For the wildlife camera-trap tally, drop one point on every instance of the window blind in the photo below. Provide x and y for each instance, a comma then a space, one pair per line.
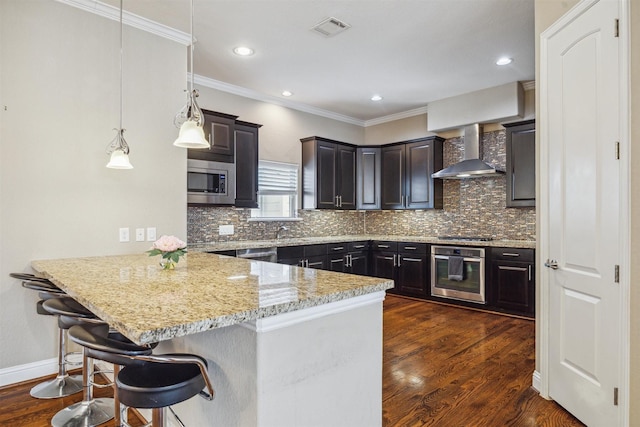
275, 178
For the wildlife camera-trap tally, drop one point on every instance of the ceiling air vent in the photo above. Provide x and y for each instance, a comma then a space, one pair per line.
330, 27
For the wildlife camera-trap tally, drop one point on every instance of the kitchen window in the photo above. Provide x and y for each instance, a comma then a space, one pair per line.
277, 191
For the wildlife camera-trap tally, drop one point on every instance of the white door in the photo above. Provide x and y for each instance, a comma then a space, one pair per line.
581, 128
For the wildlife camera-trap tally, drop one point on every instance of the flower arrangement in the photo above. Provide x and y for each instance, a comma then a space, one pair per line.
171, 248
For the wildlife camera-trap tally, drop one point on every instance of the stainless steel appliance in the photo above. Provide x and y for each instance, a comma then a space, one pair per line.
259, 254
211, 183
471, 287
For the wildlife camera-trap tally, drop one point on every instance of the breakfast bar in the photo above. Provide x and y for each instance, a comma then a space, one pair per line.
287, 346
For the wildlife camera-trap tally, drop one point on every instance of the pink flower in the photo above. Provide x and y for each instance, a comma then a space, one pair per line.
169, 244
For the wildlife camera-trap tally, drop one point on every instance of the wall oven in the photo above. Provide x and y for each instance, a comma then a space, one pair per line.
210, 183
458, 273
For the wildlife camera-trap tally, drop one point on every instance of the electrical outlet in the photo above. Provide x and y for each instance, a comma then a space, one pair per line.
225, 230
151, 234
139, 234
124, 234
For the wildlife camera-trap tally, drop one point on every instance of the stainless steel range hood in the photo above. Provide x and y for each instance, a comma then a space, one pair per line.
471, 166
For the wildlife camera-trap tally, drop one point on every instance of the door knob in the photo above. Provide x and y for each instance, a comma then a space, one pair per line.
552, 264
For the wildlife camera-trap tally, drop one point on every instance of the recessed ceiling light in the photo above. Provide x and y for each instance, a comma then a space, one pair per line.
376, 98
504, 61
243, 51
287, 93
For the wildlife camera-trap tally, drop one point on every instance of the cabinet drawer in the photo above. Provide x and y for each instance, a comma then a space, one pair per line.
337, 248
384, 246
513, 254
358, 246
417, 248
315, 250
290, 252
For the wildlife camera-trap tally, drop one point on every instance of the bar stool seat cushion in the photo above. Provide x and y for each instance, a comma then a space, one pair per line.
156, 385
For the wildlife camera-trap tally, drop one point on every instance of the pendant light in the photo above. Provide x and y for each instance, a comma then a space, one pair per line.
118, 148
190, 119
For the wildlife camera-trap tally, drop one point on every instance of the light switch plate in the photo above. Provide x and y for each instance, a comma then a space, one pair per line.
225, 230
124, 234
139, 234
151, 234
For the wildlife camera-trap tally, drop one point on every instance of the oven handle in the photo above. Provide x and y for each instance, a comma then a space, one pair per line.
465, 258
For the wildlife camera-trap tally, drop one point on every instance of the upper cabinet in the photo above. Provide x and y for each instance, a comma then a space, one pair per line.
246, 151
328, 174
521, 163
406, 174
219, 130
368, 177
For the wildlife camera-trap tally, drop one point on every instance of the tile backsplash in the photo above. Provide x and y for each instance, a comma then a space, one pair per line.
472, 207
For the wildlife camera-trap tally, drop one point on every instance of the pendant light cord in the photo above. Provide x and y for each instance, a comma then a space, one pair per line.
121, 102
191, 54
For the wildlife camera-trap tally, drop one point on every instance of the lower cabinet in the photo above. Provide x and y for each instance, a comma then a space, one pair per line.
511, 285
311, 256
351, 257
406, 263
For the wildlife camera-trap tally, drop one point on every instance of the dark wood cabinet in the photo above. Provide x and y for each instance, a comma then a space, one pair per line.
406, 174
511, 286
351, 257
406, 263
328, 174
246, 137
521, 163
368, 177
219, 131
310, 256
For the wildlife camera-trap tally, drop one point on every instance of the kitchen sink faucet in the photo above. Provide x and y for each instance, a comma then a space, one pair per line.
280, 230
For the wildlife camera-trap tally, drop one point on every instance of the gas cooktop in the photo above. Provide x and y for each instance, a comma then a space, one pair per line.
466, 238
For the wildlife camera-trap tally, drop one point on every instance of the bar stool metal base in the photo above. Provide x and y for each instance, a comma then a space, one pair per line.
85, 414
60, 386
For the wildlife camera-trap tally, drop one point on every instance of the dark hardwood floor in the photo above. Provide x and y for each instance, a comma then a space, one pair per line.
452, 367
443, 366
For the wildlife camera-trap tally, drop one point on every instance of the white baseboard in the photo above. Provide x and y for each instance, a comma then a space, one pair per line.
536, 381
28, 371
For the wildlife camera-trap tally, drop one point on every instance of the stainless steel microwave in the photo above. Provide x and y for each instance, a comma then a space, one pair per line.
211, 183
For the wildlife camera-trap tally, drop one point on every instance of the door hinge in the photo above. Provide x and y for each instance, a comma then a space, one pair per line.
615, 396
616, 277
617, 29
617, 150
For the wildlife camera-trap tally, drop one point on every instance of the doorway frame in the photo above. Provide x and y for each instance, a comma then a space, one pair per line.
541, 377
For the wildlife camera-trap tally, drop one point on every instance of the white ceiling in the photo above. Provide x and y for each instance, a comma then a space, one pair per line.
411, 52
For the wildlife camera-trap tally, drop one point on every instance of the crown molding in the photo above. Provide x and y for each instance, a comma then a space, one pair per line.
248, 93
529, 85
396, 116
130, 19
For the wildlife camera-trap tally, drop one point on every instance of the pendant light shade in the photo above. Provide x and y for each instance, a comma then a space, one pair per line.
191, 136
190, 119
118, 149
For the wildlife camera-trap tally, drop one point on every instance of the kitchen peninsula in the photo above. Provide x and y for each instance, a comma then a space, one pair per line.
286, 345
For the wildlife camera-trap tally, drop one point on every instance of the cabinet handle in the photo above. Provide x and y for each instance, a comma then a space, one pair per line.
394, 260
410, 248
336, 260
313, 263
339, 248
358, 247
399, 260
510, 254
349, 260
384, 247
340, 201
337, 204
402, 200
529, 267
504, 267
412, 259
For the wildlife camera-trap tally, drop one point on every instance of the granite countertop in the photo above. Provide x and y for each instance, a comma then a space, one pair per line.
245, 244
205, 291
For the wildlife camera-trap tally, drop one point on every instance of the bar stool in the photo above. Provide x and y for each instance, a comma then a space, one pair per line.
89, 412
63, 384
148, 381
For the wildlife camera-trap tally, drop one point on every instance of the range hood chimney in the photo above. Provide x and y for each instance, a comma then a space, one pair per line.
471, 166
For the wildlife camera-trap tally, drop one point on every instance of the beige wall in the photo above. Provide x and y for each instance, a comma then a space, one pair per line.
397, 130
60, 86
